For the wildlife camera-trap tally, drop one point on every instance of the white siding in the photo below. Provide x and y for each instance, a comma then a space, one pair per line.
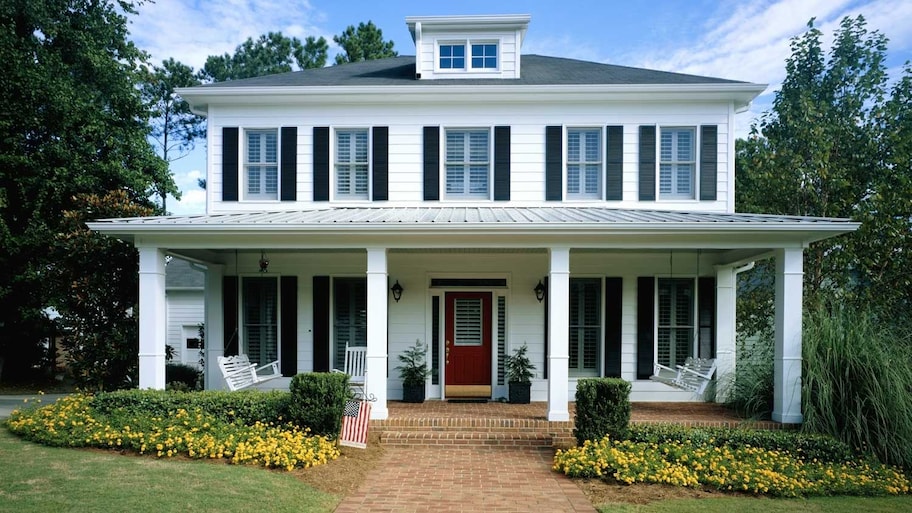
427, 58
185, 308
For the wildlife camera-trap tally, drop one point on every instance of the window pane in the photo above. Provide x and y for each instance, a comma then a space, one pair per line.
467, 326
261, 173
585, 325
452, 56
484, 56
352, 164
261, 315
584, 162
349, 316
675, 318
467, 163
678, 162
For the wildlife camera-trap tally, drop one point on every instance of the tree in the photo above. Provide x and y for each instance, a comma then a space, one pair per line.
174, 128
833, 146
72, 122
363, 44
271, 53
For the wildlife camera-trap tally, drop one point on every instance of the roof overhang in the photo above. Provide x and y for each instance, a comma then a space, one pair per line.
519, 22
739, 93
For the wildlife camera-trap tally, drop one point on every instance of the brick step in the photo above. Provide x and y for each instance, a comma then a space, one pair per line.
467, 438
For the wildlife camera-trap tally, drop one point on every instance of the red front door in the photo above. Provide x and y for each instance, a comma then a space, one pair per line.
467, 345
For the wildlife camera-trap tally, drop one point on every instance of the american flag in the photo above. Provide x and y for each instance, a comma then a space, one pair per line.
355, 419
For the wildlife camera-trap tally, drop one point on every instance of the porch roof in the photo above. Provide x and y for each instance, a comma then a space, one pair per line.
543, 224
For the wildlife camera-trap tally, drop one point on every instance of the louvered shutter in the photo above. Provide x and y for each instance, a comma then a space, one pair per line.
647, 166
230, 165
321, 323
321, 163
554, 163
709, 155
289, 326
431, 163
645, 327
289, 163
502, 163
613, 314
380, 163
614, 163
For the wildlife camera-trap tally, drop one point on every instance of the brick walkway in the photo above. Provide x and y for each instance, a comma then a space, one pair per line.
466, 479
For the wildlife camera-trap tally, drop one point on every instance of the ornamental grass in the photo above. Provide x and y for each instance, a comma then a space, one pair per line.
72, 422
745, 469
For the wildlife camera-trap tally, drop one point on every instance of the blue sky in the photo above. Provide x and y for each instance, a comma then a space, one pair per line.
745, 40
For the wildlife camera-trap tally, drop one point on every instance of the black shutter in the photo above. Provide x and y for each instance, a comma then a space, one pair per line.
289, 329
230, 315
614, 163
230, 163
501, 163
709, 153
613, 312
431, 163
321, 163
547, 332
289, 163
706, 317
321, 323
645, 327
380, 163
647, 163
554, 163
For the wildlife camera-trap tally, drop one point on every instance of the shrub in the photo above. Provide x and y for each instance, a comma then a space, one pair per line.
246, 406
317, 401
188, 376
602, 408
857, 381
750, 389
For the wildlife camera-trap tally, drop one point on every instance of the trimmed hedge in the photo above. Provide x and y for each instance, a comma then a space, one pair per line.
602, 408
807, 446
318, 400
245, 406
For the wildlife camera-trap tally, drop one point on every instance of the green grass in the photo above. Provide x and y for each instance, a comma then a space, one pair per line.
38, 478
765, 505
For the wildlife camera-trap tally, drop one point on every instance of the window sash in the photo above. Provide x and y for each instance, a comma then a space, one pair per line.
352, 164
584, 163
349, 316
467, 163
585, 326
484, 56
677, 163
452, 56
676, 320
261, 170
261, 319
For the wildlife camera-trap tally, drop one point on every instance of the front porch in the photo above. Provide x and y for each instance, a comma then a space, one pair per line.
526, 425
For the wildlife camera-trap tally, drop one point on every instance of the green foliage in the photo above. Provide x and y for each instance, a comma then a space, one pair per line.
364, 43
245, 407
518, 367
270, 54
857, 382
744, 469
807, 446
602, 408
73, 123
317, 401
414, 370
187, 376
750, 389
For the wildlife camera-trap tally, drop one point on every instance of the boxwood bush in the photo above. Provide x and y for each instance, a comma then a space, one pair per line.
245, 406
602, 408
317, 401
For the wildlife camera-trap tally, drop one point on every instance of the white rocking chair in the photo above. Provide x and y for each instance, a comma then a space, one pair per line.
694, 375
355, 367
240, 373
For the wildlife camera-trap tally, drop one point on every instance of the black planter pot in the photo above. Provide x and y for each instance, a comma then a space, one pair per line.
520, 393
413, 393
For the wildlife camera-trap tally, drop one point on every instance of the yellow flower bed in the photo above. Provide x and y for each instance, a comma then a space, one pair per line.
747, 469
71, 422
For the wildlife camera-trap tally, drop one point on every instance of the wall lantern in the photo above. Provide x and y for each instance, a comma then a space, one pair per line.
540, 291
264, 261
397, 291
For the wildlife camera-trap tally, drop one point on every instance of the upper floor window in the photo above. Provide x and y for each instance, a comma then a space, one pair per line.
261, 170
677, 163
484, 56
584, 162
352, 164
676, 320
452, 56
467, 163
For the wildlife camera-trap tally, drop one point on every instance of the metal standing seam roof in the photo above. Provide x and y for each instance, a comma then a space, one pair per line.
478, 217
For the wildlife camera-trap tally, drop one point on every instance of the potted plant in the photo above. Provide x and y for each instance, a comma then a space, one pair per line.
519, 369
413, 372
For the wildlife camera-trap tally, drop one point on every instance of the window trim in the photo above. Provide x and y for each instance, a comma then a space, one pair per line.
694, 326
576, 196
695, 174
242, 325
245, 165
447, 196
333, 147
467, 44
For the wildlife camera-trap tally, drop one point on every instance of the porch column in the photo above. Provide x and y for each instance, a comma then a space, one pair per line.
377, 341
153, 318
558, 334
726, 297
215, 314
787, 372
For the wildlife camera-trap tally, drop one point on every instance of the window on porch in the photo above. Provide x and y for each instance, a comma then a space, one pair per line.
261, 319
676, 320
349, 316
585, 326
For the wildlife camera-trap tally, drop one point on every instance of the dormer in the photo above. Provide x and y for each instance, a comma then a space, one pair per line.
467, 47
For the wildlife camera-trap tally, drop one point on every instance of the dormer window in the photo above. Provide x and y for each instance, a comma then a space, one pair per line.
452, 56
482, 56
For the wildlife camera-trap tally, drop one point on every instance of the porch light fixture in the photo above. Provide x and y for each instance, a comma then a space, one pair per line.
264, 261
397, 291
539, 291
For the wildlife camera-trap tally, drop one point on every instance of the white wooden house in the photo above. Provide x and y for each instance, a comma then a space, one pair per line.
468, 174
